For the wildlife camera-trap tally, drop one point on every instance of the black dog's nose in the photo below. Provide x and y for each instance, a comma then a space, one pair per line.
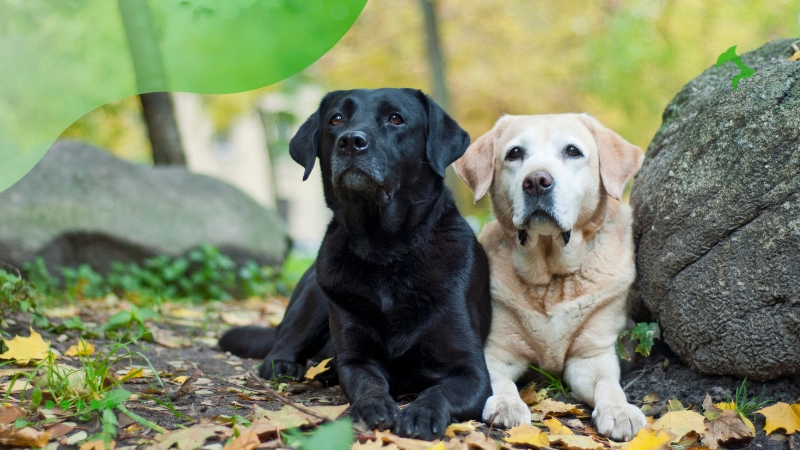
537, 183
352, 143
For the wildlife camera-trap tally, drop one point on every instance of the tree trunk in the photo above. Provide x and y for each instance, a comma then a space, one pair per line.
435, 58
162, 129
151, 80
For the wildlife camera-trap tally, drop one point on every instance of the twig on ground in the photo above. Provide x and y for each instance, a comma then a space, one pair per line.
285, 400
635, 380
187, 387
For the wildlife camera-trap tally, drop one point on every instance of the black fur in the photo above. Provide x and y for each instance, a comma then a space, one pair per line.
400, 285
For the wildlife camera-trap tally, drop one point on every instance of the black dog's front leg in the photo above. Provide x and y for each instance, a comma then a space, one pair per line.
458, 398
366, 385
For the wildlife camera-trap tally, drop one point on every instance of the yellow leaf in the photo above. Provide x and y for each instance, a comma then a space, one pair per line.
527, 435
577, 442
181, 379
795, 56
97, 445
403, 443
556, 427
134, 373
439, 446
463, 427
649, 439
652, 397
24, 349
318, 369
553, 407
186, 313
248, 440
238, 319
681, 423
62, 313
82, 348
725, 405
531, 396
781, 415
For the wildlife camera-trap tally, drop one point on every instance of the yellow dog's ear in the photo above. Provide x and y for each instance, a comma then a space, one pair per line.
476, 167
619, 159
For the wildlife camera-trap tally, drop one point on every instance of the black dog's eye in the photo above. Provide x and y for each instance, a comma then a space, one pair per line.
395, 119
514, 154
337, 119
572, 151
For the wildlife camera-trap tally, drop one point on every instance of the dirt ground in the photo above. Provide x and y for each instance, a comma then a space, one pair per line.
224, 389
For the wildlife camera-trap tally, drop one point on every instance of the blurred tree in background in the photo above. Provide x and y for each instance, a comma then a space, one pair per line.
619, 60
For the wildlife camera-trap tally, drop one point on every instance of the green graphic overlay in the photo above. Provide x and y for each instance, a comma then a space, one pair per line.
61, 59
744, 71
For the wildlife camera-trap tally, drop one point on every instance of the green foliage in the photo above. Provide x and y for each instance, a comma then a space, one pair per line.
131, 323
17, 294
554, 383
336, 435
203, 274
644, 333
745, 406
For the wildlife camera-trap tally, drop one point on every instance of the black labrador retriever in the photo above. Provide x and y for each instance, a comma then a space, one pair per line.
400, 285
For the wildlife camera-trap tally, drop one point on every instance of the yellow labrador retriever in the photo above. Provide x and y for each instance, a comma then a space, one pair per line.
561, 259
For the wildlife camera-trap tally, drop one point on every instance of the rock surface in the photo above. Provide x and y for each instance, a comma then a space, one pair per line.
717, 220
83, 205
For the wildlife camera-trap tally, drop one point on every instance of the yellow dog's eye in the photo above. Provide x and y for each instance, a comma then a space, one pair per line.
337, 119
513, 154
395, 119
573, 151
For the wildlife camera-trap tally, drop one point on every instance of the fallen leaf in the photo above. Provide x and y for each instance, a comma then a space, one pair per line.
781, 415
10, 413
181, 379
649, 439
463, 427
527, 435
556, 427
82, 348
675, 405
576, 442
97, 445
652, 397
437, 446
168, 338
63, 312
709, 409
237, 318
186, 439
555, 408
403, 443
24, 349
268, 423
727, 427
22, 437
795, 56
477, 441
681, 423
186, 313
246, 441
77, 437
318, 369
531, 396
187, 386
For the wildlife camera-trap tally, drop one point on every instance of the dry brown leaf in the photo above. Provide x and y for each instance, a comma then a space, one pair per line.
97, 445
10, 413
681, 423
728, 426
555, 408
168, 338
59, 429
186, 439
479, 441
575, 442
781, 415
463, 427
403, 443
268, 423
709, 409
238, 319
652, 397
24, 349
556, 427
527, 435
318, 369
531, 395
23, 437
246, 441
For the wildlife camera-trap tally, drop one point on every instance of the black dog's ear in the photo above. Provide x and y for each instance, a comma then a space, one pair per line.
304, 146
446, 140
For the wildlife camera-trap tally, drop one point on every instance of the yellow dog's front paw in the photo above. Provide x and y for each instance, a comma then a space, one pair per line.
506, 411
619, 422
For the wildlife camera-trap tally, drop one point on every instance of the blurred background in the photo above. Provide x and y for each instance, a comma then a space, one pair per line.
621, 61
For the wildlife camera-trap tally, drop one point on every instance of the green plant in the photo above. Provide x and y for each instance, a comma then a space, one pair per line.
645, 333
37, 275
744, 406
17, 294
84, 282
336, 435
554, 383
130, 323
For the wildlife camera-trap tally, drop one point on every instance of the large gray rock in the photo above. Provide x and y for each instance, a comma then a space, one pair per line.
83, 205
717, 220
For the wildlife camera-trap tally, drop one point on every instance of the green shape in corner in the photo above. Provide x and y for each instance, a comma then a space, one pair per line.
59, 60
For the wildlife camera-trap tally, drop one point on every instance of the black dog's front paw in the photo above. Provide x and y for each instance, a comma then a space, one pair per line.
277, 368
422, 421
375, 412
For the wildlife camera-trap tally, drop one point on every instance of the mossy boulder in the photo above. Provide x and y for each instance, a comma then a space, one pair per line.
717, 219
83, 205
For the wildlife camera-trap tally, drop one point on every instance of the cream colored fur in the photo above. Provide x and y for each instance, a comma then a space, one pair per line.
559, 307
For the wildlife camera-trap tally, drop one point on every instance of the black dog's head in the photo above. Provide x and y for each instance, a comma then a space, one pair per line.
373, 144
